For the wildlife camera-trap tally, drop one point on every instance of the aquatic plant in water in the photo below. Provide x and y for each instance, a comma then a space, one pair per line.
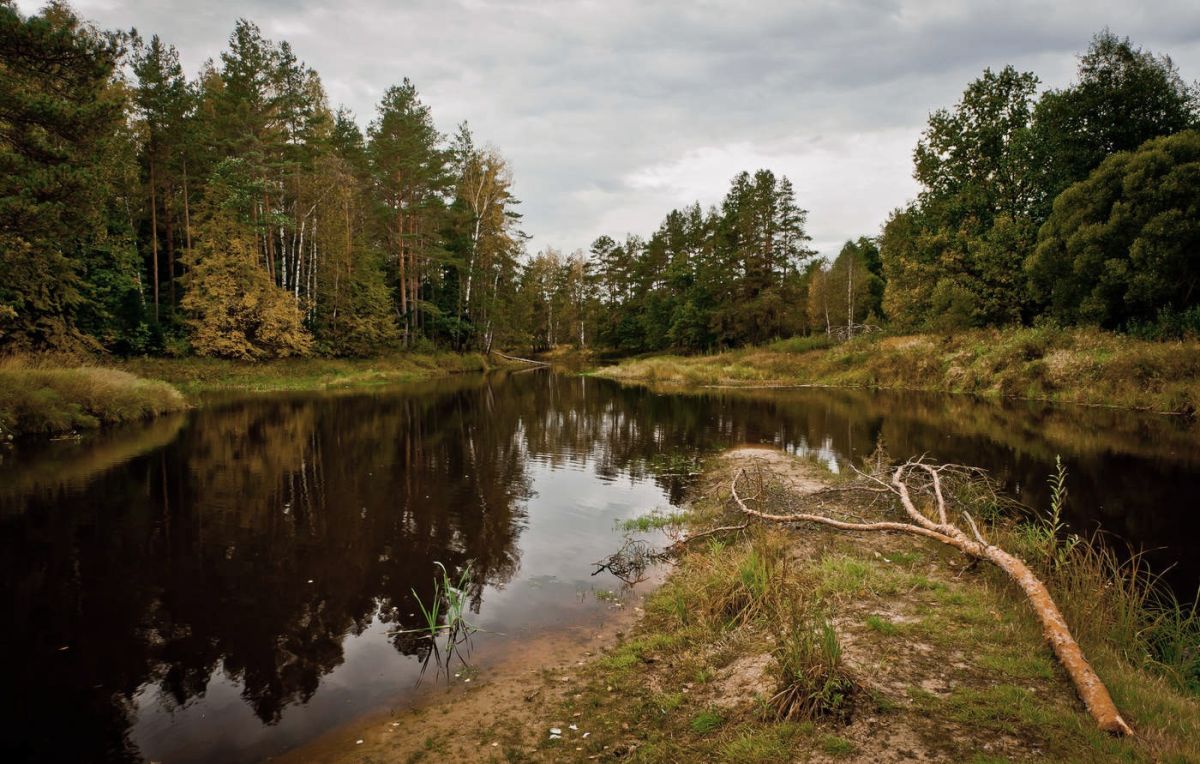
446, 618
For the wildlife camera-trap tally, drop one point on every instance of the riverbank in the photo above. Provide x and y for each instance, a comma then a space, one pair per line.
812, 644
50, 401
1084, 366
202, 375
52, 396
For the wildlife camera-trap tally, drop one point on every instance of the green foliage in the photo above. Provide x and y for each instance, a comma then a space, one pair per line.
233, 308
1121, 245
1124, 96
446, 613
953, 260
60, 113
703, 280
348, 244
1048, 535
1112, 251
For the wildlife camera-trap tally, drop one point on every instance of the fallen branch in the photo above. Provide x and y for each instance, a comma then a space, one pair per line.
1089, 686
710, 532
519, 360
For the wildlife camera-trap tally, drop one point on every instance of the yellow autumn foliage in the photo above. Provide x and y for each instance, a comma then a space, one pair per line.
233, 308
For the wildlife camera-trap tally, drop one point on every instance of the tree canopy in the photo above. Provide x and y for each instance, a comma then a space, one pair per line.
237, 213
1123, 245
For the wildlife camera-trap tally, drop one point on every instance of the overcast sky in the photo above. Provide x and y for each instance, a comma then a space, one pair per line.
613, 112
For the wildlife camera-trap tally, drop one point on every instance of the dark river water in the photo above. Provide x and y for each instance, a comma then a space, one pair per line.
229, 583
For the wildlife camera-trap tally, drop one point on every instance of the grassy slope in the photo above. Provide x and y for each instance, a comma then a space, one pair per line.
1061, 365
52, 396
51, 401
198, 375
948, 660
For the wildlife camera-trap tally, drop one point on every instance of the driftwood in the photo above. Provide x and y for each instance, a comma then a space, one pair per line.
1089, 686
519, 360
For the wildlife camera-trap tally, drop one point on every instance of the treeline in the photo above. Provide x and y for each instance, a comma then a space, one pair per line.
1078, 206
235, 214
728, 275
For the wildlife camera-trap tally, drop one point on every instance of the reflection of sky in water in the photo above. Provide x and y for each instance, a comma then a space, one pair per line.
825, 454
160, 550
572, 518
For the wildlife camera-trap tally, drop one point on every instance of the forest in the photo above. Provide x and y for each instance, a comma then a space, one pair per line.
238, 215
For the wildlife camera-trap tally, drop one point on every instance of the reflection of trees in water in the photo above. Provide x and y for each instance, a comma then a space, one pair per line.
271, 529
198, 557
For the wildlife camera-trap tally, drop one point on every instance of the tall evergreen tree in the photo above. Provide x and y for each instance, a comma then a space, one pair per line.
409, 167
60, 113
162, 103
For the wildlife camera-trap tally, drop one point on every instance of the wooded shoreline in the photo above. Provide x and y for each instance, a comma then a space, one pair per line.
48, 394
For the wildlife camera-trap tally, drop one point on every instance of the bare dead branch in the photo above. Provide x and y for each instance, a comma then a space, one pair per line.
1091, 689
709, 532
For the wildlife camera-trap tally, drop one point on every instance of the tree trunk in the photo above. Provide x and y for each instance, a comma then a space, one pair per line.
171, 250
187, 214
154, 236
849, 296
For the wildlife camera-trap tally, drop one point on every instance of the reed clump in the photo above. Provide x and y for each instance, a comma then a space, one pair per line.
813, 681
1116, 602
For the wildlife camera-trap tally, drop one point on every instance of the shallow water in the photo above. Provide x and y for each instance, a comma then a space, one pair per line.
228, 583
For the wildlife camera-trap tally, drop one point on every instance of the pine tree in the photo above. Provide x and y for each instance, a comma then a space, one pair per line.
410, 169
59, 117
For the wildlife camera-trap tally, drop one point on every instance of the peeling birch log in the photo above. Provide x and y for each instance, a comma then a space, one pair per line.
519, 360
1091, 689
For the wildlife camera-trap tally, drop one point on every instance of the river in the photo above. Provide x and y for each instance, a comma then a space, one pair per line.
229, 583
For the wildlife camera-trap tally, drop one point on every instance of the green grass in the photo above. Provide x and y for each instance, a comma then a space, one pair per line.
812, 681
1065, 365
706, 721
37, 400
653, 521
201, 375
837, 746
770, 743
882, 625
52, 395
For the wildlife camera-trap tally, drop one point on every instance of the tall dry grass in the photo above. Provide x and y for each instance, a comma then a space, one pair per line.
39, 397
1077, 365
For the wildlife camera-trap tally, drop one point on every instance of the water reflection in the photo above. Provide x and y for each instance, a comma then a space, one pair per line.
229, 583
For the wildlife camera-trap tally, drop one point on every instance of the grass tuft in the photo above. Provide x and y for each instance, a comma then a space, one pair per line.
813, 681
706, 721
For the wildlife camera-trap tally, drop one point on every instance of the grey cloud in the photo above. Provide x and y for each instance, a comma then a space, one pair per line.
586, 96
